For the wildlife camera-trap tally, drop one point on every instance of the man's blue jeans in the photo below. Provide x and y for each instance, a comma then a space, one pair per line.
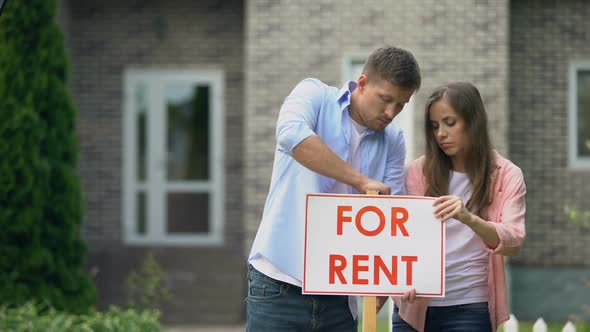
278, 306
473, 317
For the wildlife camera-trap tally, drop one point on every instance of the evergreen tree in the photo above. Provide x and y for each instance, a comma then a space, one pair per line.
41, 252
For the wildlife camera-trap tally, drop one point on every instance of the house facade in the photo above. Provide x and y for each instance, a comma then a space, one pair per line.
178, 101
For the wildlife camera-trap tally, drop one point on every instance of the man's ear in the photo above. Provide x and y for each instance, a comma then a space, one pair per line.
362, 82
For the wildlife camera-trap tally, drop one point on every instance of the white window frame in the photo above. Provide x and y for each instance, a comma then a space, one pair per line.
404, 120
575, 162
158, 186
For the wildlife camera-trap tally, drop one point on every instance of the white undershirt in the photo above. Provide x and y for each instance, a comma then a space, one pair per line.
466, 256
263, 265
354, 157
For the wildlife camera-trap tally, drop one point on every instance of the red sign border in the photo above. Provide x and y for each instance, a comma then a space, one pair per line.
305, 291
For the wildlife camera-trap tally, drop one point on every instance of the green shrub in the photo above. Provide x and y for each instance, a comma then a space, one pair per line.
146, 288
582, 219
577, 216
30, 318
40, 194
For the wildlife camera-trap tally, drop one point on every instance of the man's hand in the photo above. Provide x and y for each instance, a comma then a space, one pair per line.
410, 296
381, 301
369, 184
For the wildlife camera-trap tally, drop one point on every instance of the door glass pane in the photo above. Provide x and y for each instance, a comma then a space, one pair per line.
188, 213
584, 113
187, 109
141, 213
141, 104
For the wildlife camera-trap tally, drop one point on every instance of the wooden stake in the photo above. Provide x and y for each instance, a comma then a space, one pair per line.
370, 302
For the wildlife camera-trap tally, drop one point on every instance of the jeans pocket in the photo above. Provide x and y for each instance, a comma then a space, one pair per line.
260, 289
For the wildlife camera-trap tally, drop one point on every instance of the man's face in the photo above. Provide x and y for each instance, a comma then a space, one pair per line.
379, 102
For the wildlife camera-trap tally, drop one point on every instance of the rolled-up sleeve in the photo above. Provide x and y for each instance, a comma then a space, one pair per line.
299, 115
415, 185
511, 224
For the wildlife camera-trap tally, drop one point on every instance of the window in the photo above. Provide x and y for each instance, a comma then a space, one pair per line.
173, 157
351, 69
579, 115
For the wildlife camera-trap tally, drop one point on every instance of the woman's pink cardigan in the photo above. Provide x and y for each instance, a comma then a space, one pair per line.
506, 211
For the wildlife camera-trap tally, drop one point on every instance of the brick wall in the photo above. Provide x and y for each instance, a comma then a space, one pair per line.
545, 37
290, 40
104, 38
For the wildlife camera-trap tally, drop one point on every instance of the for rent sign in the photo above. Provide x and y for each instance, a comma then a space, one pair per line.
373, 245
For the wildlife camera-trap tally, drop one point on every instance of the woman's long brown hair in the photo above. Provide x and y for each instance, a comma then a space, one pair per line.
466, 101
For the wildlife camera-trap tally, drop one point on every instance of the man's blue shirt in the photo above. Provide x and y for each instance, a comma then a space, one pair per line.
314, 108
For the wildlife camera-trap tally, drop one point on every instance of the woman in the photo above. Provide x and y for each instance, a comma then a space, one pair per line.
481, 199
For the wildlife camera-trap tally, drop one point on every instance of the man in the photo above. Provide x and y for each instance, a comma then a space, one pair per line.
328, 141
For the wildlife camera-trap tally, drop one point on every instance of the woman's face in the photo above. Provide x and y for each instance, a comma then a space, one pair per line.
449, 129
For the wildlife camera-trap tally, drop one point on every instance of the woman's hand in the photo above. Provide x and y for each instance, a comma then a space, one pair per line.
451, 206
410, 296
447, 207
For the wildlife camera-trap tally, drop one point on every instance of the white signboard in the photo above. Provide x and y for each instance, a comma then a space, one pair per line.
373, 245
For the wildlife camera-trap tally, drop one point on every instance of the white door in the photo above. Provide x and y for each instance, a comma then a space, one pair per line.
173, 157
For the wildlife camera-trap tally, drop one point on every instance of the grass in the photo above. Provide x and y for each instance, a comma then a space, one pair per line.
382, 326
551, 327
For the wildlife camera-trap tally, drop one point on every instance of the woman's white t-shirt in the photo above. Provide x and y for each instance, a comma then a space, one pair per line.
466, 256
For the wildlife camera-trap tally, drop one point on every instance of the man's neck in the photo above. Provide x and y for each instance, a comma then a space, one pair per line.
353, 109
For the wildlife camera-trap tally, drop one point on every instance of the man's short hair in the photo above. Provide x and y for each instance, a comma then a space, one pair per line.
394, 65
